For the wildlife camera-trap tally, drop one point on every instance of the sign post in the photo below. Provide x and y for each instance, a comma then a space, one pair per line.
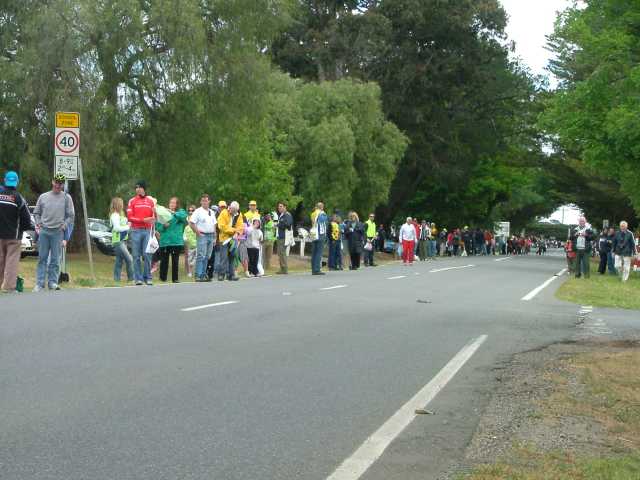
68, 163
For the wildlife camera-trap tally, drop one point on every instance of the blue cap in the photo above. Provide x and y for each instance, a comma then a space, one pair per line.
11, 179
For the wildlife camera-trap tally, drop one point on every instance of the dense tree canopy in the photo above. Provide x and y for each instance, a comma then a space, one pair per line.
400, 106
594, 114
448, 84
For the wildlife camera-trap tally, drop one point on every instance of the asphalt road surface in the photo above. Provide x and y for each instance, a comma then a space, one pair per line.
274, 378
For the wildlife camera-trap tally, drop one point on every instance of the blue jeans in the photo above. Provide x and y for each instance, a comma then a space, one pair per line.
611, 266
227, 267
141, 260
334, 251
316, 255
204, 248
122, 255
49, 249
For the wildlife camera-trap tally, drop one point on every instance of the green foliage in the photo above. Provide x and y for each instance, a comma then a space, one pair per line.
447, 83
594, 113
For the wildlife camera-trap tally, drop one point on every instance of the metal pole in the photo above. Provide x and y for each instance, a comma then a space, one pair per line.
86, 219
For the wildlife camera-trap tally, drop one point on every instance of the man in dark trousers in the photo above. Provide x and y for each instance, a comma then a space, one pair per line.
14, 219
605, 249
582, 239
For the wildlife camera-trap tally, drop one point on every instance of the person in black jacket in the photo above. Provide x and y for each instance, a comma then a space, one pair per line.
624, 246
14, 220
355, 234
605, 247
582, 238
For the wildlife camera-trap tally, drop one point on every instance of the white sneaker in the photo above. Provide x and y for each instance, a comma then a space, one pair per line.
189, 274
37, 288
247, 274
54, 286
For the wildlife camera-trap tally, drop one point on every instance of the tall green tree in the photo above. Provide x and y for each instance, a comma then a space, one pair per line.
594, 114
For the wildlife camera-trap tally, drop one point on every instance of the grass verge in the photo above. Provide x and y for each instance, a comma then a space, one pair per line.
599, 389
602, 291
80, 273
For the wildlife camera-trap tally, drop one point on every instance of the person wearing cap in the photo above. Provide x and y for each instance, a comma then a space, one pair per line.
142, 217
54, 214
14, 220
215, 256
203, 223
252, 213
230, 226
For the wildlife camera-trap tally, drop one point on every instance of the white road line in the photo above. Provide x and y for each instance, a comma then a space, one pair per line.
334, 287
503, 259
210, 305
450, 268
397, 277
374, 446
537, 290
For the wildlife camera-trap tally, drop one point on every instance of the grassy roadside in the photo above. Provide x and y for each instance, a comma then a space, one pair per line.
80, 274
602, 291
597, 392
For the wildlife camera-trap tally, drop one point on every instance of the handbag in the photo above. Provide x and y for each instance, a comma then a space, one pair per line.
152, 244
288, 238
368, 246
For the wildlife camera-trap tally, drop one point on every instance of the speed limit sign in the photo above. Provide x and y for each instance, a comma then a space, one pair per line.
67, 142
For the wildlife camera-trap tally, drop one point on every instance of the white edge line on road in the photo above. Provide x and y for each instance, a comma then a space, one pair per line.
334, 287
210, 305
397, 277
529, 296
374, 446
450, 268
502, 259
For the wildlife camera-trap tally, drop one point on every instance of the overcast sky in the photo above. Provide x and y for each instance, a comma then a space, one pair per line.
530, 21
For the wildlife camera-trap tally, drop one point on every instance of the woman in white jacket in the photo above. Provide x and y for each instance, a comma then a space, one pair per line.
408, 241
120, 229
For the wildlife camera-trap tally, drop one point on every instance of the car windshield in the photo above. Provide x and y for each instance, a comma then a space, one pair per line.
98, 227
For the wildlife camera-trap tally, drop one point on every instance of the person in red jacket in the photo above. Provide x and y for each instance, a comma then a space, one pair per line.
142, 216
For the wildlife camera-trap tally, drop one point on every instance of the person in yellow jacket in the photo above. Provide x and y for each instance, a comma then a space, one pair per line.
371, 232
230, 225
253, 213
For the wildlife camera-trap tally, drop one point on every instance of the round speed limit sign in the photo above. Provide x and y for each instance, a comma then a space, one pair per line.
67, 141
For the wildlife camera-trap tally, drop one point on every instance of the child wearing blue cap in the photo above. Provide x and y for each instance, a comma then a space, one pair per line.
14, 220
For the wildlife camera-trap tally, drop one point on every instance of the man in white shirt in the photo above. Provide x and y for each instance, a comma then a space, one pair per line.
203, 223
408, 241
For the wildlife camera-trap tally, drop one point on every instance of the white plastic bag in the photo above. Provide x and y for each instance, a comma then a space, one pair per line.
152, 244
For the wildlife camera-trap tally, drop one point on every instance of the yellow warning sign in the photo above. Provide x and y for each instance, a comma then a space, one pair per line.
67, 120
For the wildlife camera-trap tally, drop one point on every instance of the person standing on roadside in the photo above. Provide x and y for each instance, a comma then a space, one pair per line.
355, 234
269, 234
371, 233
54, 213
605, 245
423, 239
119, 233
14, 220
285, 223
190, 244
319, 222
171, 240
254, 243
142, 217
408, 240
203, 223
624, 246
222, 205
582, 238
230, 226
252, 213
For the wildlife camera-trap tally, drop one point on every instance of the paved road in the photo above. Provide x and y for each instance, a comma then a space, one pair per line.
284, 384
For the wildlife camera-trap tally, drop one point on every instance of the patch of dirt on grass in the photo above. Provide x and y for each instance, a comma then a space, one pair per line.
579, 400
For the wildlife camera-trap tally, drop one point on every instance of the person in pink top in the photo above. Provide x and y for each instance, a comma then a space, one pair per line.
142, 217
